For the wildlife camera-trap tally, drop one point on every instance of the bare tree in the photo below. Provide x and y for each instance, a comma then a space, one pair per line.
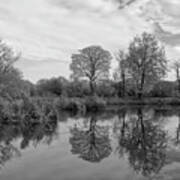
176, 67
146, 62
92, 63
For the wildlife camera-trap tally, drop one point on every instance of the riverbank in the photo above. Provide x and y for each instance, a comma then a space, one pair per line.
47, 109
95, 104
174, 101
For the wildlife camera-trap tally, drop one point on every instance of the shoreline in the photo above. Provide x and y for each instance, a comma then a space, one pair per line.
173, 101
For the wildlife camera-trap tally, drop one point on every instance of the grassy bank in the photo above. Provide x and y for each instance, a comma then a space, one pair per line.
45, 110
94, 104
174, 101
83, 105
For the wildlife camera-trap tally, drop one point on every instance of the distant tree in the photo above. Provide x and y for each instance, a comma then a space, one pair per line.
106, 88
121, 72
92, 63
163, 89
7, 58
78, 88
176, 67
146, 62
10, 77
53, 86
28, 88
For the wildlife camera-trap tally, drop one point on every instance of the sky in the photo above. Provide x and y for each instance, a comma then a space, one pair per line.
47, 32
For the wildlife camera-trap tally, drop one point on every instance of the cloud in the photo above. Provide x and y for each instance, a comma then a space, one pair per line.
35, 70
49, 31
54, 29
125, 3
167, 37
98, 6
164, 17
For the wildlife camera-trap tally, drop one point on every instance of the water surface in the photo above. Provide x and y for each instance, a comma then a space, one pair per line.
131, 144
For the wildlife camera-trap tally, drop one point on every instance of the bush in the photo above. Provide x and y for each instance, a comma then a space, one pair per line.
163, 89
107, 89
80, 105
27, 111
4, 110
94, 103
70, 104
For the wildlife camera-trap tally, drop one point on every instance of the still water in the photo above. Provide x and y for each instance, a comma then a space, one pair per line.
131, 144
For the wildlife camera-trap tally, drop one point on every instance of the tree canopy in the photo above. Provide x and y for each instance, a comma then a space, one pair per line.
146, 62
92, 63
7, 57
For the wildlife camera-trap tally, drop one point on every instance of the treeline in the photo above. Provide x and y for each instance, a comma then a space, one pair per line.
15, 88
60, 86
140, 72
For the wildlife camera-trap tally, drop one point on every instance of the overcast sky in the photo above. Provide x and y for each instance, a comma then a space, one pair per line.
49, 31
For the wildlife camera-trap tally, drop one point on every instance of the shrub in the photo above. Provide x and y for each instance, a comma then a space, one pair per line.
80, 105
163, 89
94, 103
70, 104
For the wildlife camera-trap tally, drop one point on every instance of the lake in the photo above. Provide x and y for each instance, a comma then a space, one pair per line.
139, 143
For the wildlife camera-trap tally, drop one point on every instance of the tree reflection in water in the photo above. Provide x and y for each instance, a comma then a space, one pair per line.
177, 138
38, 132
143, 141
41, 130
93, 144
34, 133
7, 151
145, 144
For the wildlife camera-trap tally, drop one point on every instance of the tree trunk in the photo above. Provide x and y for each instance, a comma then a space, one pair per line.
123, 124
92, 131
143, 137
178, 79
140, 93
179, 86
123, 84
92, 89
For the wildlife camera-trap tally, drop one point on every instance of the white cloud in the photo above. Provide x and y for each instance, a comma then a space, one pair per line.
165, 12
54, 29
101, 6
48, 30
